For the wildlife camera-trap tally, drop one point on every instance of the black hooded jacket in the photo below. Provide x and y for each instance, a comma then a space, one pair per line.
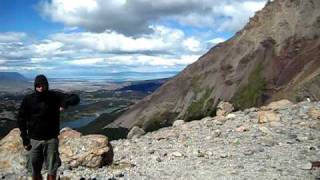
39, 113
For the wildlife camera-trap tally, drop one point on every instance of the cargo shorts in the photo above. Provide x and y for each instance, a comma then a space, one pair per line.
43, 152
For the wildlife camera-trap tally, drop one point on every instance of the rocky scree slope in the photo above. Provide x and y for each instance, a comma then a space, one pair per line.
278, 141
276, 55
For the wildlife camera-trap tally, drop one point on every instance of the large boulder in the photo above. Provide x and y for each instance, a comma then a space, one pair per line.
12, 153
224, 108
135, 132
284, 103
90, 151
268, 116
75, 150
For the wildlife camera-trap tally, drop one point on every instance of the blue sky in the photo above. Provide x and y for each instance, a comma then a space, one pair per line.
70, 38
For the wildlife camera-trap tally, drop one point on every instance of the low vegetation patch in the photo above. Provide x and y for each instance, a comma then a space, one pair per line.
250, 95
201, 108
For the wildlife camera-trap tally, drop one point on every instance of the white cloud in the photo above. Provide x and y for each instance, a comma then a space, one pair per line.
192, 44
126, 34
164, 47
38, 68
86, 61
237, 14
70, 29
135, 16
137, 60
10, 37
38, 60
4, 68
2, 61
145, 60
47, 47
163, 39
197, 20
167, 61
216, 40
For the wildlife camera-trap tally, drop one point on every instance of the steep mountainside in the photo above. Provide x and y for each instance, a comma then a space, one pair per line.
276, 55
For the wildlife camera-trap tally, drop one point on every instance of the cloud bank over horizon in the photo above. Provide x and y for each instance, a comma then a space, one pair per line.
122, 36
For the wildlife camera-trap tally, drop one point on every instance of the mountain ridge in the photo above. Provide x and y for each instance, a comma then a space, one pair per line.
274, 56
13, 82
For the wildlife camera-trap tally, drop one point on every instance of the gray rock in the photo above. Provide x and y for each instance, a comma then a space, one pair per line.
135, 132
223, 155
217, 133
306, 166
224, 108
90, 150
177, 154
248, 152
178, 123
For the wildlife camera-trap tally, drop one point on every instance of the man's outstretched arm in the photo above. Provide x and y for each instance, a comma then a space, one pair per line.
68, 99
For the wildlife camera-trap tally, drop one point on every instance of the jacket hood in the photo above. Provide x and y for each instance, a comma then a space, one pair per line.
41, 79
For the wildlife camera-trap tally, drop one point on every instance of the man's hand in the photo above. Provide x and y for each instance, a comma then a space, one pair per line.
27, 147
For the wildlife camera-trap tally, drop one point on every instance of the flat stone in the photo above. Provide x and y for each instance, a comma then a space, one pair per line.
224, 108
217, 133
284, 103
290, 141
268, 142
177, 154
260, 149
242, 129
302, 138
90, 151
158, 159
231, 116
223, 155
248, 152
265, 130
292, 136
135, 132
268, 116
314, 113
178, 123
306, 166
276, 124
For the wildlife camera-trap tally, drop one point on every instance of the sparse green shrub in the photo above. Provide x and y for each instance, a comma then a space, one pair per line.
201, 108
159, 120
250, 94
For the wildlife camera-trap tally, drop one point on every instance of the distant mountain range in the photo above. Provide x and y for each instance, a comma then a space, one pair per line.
144, 86
12, 76
13, 82
276, 55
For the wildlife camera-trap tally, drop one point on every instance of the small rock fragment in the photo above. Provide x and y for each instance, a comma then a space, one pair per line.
306, 166
177, 154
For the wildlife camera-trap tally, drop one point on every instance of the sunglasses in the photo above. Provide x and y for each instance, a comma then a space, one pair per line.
39, 85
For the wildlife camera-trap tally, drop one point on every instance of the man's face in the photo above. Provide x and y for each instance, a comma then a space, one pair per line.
40, 88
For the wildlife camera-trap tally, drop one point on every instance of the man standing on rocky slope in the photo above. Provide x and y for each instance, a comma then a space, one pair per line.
38, 121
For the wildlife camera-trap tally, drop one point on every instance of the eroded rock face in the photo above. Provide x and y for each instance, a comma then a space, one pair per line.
91, 151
